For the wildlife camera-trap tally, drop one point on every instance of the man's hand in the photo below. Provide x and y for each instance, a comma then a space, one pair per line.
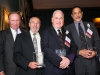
84, 53
64, 63
2, 73
92, 54
87, 53
33, 65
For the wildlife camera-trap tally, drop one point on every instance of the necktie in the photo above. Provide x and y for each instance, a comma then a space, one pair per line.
35, 43
82, 37
61, 38
16, 32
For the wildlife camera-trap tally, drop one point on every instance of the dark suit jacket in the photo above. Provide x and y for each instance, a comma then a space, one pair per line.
50, 42
1, 52
94, 41
23, 54
8, 66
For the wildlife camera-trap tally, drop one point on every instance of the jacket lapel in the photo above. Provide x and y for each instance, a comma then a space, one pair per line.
63, 34
75, 34
29, 41
87, 38
54, 34
10, 38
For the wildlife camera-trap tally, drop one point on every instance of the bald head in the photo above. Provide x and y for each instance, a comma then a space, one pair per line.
14, 20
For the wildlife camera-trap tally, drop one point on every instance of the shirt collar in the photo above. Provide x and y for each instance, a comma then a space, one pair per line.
76, 23
57, 30
14, 31
33, 33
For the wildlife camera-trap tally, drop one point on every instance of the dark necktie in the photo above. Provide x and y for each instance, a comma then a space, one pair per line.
82, 37
61, 38
35, 43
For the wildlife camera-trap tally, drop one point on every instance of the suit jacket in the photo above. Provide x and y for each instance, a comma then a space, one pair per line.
8, 65
50, 42
1, 52
94, 41
23, 54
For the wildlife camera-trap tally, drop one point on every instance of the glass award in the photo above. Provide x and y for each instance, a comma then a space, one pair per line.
60, 52
39, 58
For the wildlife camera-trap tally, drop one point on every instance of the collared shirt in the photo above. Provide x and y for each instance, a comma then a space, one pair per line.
15, 32
82, 25
57, 31
38, 40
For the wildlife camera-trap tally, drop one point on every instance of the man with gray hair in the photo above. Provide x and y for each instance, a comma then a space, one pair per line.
53, 40
24, 48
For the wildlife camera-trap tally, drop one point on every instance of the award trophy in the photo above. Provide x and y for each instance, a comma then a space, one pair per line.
39, 58
60, 52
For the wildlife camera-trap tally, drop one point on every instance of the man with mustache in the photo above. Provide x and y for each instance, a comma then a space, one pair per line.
24, 48
85, 36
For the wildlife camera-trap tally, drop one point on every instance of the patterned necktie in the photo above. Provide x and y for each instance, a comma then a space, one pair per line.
61, 39
35, 43
82, 37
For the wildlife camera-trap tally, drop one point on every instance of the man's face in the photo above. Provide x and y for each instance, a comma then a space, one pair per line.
14, 21
58, 20
77, 14
34, 24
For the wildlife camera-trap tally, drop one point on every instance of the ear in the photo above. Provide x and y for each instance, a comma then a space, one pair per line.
8, 20
29, 24
71, 15
52, 19
82, 13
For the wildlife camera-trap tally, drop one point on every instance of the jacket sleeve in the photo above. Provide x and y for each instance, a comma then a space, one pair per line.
2, 38
18, 57
72, 49
48, 53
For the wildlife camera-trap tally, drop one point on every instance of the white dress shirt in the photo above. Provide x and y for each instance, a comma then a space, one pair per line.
15, 32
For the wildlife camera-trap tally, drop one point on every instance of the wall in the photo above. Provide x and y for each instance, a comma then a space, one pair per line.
10, 5
45, 15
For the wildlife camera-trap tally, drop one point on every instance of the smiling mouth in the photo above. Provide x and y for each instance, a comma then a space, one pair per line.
58, 23
77, 17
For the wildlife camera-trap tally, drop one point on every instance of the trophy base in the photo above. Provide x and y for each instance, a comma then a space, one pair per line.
42, 66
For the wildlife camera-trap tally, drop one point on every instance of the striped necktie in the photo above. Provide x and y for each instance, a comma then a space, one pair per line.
60, 39
35, 43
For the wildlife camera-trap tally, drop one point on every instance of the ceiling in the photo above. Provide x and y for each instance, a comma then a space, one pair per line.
52, 4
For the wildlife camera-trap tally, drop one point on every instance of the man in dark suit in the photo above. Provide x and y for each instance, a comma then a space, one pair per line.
24, 48
1, 53
7, 66
86, 62
50, 40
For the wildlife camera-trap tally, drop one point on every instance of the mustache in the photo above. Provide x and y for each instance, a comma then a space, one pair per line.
78, 17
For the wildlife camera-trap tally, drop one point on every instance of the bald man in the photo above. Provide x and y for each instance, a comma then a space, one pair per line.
7, 65
56, 64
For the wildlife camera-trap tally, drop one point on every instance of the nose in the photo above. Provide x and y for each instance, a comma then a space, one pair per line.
15, 22
35, 24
